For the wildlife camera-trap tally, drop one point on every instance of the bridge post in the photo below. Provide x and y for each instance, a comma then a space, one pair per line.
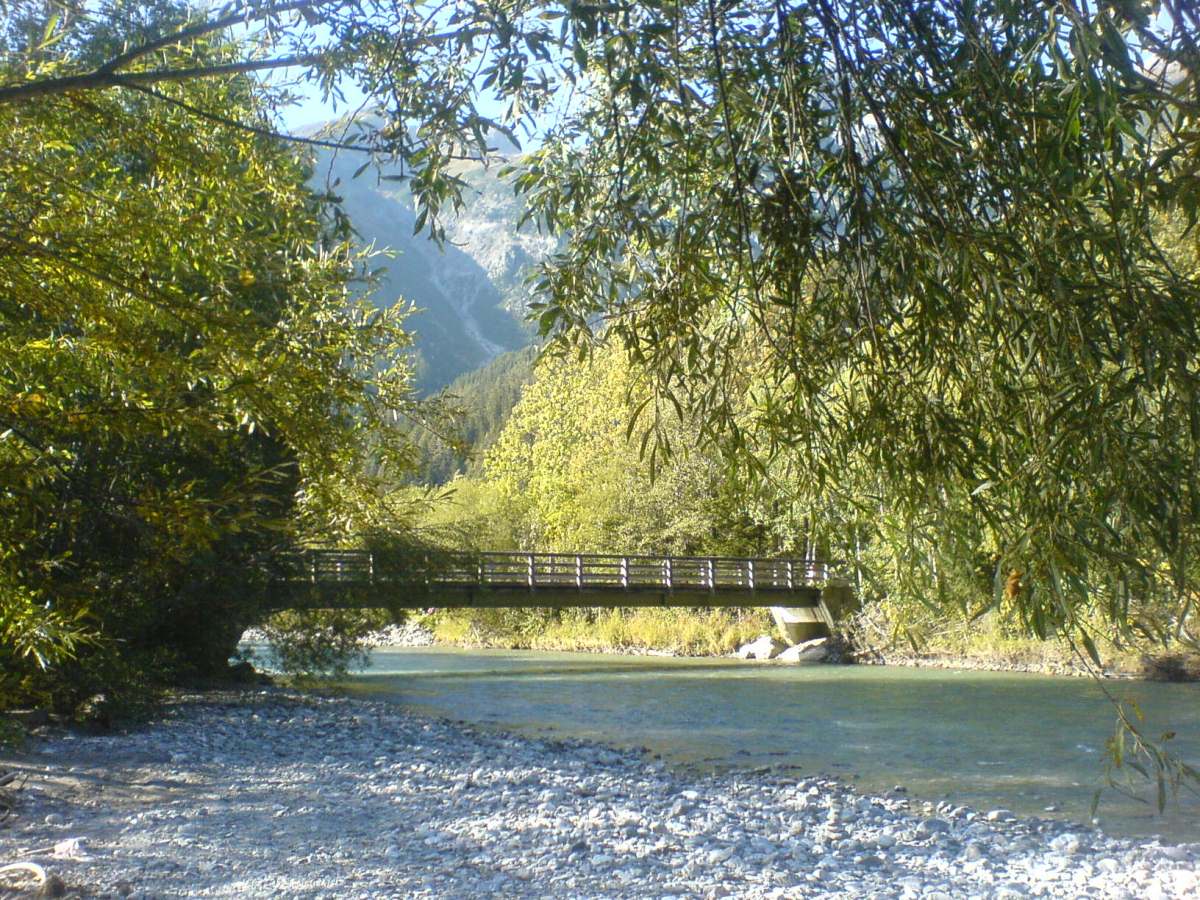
712, 574
790, 585
371, 568
750, 574
625, 572
529, 562
312, 566
670, 573
579, 571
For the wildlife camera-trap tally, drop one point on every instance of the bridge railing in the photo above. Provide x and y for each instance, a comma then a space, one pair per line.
581, 571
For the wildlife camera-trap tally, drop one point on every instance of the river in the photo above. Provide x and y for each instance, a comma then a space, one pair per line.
984, 739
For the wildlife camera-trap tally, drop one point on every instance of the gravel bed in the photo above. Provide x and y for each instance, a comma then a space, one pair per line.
271, 794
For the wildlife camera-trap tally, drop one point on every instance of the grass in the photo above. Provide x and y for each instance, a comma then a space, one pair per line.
685, 632
993, 642
986, 643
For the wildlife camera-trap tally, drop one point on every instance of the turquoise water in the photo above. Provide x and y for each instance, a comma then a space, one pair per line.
983, 739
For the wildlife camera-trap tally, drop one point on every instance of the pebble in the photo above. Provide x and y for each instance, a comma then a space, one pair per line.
334, 797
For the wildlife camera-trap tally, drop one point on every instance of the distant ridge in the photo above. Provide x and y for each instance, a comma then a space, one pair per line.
471, 292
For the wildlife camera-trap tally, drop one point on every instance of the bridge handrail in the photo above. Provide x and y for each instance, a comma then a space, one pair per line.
509, 569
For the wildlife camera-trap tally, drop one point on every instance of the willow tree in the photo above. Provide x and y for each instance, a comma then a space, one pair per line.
911, 254
932, 264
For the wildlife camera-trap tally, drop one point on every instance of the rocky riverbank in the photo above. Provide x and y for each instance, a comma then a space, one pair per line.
1061, 667
1163, 667
276, 794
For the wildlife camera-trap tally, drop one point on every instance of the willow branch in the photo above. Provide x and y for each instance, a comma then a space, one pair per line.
99, 80
245, 126
241, 15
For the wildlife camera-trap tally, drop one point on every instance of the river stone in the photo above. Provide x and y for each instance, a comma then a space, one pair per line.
933, 826
973, 850
53, 886
530, 826
1066, 843
814, 651
1010, 891
764, 647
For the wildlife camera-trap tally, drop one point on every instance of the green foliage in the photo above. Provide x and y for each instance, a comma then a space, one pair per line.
565, 475
923, 271
687, 632
908, 261
312, 644
186, 384
484, 399
1132, 753
34, 635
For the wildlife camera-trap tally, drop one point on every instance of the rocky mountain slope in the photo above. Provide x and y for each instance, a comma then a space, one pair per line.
486, 231
470, 291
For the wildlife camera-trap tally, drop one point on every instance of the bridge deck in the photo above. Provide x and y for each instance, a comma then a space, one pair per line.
356, 578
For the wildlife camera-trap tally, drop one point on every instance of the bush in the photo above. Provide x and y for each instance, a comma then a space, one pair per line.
324, 644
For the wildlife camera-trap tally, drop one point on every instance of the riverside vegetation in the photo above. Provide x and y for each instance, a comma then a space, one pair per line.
911, 286
562, 474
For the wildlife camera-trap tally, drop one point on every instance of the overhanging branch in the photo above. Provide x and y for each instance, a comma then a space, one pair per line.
245, 126
239, 16
98, 79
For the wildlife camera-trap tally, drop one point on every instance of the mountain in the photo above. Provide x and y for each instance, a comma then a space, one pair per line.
487, 233
470, 291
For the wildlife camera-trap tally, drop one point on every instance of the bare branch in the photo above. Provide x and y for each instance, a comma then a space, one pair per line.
243, 126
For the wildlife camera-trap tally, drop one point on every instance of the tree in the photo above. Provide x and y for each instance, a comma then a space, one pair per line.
187, 384
911, 251
422, 67
910, 257
485, 397
563, 475
910, 254
910, 247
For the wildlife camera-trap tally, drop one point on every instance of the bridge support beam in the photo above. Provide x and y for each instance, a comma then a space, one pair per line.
384, 596
800, 623
804, 623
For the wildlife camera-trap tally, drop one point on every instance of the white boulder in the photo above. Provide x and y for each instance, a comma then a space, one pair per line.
764, 647
807, 652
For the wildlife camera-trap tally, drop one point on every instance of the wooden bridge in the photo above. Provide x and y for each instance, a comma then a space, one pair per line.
361, 578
